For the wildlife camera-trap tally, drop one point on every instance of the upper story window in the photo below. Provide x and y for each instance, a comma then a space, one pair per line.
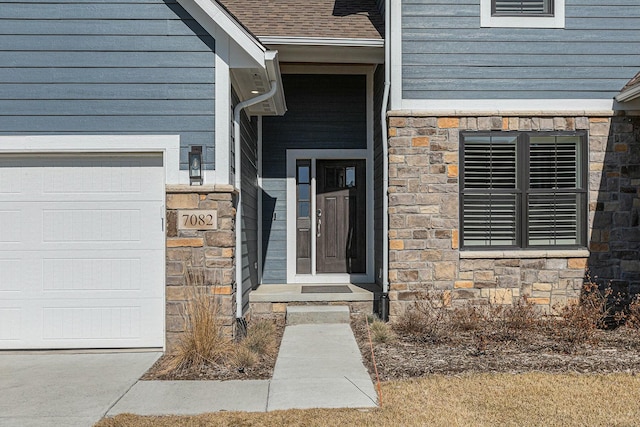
523, 190
521, 7
522, 13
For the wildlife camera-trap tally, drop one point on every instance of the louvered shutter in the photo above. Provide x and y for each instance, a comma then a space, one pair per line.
490, 199
522, 7
554, 198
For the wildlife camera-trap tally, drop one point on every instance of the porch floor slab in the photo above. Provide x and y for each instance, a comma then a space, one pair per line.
293, 293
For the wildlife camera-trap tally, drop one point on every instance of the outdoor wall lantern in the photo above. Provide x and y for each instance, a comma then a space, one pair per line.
195, 164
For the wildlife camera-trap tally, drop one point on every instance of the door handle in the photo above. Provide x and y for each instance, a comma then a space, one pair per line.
319, 222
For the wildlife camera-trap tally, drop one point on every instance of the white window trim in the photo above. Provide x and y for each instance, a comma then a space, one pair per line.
555, 21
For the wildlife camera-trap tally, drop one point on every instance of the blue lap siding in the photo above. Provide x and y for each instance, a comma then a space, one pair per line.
107, 67
446, 55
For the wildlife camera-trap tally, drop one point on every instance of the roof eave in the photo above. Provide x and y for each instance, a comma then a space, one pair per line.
629, 94
273, 73
321, 41
215, 18
201, 9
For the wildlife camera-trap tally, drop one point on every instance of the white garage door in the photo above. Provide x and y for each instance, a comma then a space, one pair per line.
81, 251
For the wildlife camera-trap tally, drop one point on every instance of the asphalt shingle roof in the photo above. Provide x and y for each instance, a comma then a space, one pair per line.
359, 19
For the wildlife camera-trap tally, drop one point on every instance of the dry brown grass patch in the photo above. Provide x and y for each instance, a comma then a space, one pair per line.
533, 399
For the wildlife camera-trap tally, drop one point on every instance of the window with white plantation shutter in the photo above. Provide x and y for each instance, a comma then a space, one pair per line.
523, 189
522, 7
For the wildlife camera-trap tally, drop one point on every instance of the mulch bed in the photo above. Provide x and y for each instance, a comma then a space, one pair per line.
612, 351
263, 369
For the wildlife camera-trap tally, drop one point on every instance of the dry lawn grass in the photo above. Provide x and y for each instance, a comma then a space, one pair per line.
533, 399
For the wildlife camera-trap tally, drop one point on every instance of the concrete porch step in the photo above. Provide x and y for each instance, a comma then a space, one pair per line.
314, 314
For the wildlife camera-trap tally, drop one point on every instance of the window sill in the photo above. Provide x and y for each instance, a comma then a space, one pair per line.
514, 253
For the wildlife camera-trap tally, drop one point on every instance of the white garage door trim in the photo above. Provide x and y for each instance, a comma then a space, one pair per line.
59, 150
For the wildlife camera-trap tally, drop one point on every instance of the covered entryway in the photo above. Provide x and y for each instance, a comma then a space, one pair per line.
81, 251
317, 179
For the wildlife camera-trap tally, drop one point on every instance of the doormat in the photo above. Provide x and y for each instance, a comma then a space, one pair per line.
342, 289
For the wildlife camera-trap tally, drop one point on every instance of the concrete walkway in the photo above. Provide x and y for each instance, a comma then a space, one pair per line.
318, 366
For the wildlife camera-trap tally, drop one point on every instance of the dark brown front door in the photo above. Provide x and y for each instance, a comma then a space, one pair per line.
341, 216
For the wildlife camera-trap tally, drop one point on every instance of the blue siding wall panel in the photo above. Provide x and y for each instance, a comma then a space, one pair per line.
108, 67
446, 55
324, 112
249, 188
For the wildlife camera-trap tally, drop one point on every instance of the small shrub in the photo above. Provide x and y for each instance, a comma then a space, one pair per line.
467, 318
580, 320
634, 313
426, 319
512, 322
630, 316
381, 332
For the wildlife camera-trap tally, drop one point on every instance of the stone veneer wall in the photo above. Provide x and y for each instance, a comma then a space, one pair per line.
615, 208
212, 251
424, 213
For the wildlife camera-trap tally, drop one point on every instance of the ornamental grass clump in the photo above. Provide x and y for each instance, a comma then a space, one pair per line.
381, 332
203, 340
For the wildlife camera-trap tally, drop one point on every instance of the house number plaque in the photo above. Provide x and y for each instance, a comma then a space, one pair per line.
197, 220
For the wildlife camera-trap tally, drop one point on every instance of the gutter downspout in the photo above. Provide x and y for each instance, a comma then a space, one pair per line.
384, 299
238, 184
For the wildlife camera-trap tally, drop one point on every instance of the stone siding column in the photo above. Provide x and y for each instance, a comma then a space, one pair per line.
210, 251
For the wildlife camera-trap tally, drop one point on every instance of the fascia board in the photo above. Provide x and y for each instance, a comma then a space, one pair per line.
273, 73
629, 94
322, 41
203, 9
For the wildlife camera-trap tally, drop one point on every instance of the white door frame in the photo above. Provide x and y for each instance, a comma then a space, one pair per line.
314, 155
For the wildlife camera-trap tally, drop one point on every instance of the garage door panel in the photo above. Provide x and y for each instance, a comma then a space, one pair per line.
93, 272
80, 323
86, 178
56, 226
81, 252
10, 271
10, 324
11, 219
107, 224
80, 274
